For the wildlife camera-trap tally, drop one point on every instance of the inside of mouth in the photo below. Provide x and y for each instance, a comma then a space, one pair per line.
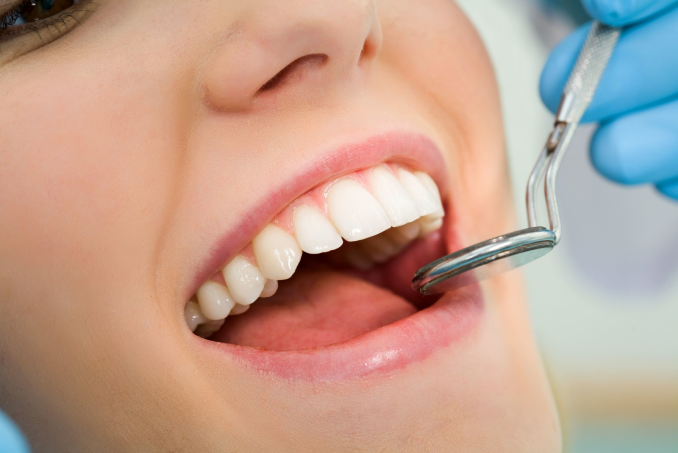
363, 236
327, 302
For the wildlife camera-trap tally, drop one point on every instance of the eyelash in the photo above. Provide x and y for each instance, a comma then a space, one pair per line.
9, 30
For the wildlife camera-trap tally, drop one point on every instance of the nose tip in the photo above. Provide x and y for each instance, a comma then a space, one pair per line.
289, 45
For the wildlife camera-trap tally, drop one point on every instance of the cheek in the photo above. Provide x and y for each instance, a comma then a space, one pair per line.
72, 169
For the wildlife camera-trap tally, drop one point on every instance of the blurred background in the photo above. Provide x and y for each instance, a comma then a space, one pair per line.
605, 302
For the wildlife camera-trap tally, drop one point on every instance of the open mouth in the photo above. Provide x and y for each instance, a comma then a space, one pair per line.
333, 267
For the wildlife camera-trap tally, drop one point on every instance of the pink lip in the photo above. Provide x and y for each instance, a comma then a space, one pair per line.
383, 350
407, 148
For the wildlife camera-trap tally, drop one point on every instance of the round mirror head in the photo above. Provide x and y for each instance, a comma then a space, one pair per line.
484, 260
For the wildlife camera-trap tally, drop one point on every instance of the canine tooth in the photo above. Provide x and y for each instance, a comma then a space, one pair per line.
355, 212
425, 200
393, 197
193, 315
433, 188
245, 281
206, 330
215, 301
239, 309
314, 232
277, 253
430, 225
270, 288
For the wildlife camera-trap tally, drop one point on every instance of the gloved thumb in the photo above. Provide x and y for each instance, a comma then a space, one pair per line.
11, 440
625, 12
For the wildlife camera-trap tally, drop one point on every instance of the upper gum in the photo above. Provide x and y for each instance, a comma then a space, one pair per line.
315, 198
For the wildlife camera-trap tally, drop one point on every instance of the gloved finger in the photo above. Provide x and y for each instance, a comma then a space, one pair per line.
11, 440
638, 148
669, 188
643, 69
625, 12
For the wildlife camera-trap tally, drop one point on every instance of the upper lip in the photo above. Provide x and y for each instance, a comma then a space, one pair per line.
415, 150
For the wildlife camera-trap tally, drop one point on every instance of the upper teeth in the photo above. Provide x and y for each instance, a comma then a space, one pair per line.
386, 199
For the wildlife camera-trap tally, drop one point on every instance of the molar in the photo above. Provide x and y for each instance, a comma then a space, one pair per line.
244, 280
314, 232
209, 328
355, 212
277, 253
393, 197
193, 315
406, 233
380, 248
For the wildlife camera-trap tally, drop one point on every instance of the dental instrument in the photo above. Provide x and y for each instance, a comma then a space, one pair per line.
503, 253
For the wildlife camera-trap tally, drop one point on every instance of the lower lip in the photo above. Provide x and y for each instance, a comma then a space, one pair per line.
380, 352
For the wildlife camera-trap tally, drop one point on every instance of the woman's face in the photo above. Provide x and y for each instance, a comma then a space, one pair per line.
147, 145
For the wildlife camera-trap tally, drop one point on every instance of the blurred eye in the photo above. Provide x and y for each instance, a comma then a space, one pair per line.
33, 10
26, 25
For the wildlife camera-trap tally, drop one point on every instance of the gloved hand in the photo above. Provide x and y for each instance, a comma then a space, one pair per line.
11, 440
637, 100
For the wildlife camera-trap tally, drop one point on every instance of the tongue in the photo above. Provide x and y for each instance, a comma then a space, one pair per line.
314, 308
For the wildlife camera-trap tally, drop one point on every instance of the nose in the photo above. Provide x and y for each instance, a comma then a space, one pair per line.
294, 47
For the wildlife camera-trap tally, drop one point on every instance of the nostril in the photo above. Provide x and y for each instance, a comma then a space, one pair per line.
295, 71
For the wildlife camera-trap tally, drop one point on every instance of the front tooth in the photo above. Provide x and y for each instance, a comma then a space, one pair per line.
215, 301
277, 253
425, 200
244, 280
270, 288
393, 197
355, 212
314, 232
433, 188
193, 315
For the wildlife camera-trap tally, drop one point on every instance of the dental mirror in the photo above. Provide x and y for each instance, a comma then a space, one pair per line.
504, 253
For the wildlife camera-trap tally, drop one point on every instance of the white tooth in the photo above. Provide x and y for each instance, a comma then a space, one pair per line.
277, 253
433, 188
239, 309
209, 328
406, 233
429, 225
270, 288
355, 212
194, 316
314, 232
245, 281
425, 200
215, 301
393, 197
380, 248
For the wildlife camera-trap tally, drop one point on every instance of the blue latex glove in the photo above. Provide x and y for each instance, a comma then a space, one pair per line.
11, 440
637, 101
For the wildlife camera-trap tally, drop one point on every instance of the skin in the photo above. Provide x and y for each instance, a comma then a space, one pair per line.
133, 141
